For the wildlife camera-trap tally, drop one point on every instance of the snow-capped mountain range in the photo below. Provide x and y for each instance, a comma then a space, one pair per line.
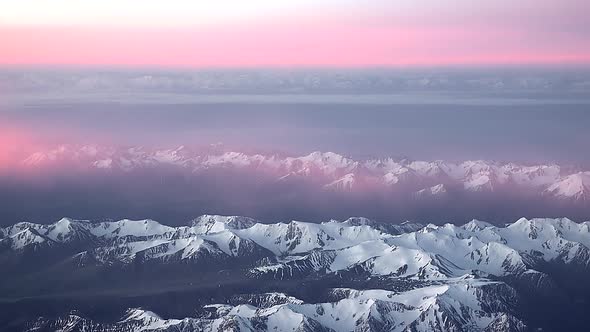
334, 172
408, 250
406, 277
450, 307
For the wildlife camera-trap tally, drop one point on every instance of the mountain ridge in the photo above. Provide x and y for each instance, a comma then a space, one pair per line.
402, 277
332, 171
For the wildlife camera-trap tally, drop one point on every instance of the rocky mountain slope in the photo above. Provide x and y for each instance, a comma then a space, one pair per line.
354, 275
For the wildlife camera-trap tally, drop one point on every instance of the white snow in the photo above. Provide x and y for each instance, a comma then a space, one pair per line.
438, 252
576, 186
334, 171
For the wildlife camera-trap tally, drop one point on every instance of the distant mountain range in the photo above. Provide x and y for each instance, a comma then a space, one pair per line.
238, 274
333, 172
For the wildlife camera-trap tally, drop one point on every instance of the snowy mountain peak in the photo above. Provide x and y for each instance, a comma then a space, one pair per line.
146, 320
379, 248
26, 238
216, 223
575, 186
345, 183
414, 278
434, 191
476, 225
332, 171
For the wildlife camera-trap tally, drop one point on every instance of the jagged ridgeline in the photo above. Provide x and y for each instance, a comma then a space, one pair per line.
335, 172
237, 274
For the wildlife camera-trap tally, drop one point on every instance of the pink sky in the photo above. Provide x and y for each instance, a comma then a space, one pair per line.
321, 33
15, 142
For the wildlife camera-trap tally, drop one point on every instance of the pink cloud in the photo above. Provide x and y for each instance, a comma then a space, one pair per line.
291, 43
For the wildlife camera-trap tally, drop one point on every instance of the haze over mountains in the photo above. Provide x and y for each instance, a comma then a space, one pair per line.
102, 181
333, 171
500, 113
